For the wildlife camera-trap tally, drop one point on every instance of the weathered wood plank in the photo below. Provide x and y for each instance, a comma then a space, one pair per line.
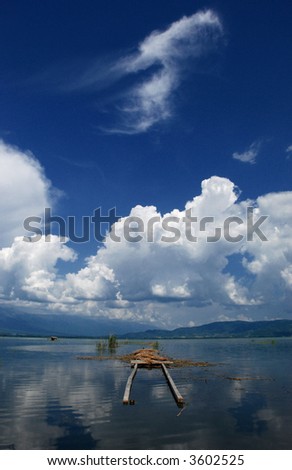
172, 385
129, 383
142, 363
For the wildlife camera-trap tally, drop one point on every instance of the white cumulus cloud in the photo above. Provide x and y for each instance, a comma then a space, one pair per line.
24, 190
161, 277
28, 270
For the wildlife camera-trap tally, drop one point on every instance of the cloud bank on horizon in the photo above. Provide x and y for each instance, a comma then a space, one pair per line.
168, 284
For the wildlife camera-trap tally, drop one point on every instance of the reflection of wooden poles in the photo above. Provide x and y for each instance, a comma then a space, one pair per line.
129, 384
179, 399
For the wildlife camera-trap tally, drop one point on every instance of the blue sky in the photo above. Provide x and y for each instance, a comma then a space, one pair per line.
126, 104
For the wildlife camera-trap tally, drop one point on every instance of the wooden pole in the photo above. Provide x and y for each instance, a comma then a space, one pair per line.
129, 383
178, 397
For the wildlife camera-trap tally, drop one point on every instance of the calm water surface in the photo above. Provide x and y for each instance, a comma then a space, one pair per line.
51, 400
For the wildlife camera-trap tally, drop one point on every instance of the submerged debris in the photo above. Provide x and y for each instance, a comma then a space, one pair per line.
188, 363
94, 358
248, 378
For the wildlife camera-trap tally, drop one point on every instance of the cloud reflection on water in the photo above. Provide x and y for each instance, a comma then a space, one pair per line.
53, 401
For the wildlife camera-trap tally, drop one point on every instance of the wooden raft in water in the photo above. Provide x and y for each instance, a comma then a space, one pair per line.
129, 384
143, 360
178, 397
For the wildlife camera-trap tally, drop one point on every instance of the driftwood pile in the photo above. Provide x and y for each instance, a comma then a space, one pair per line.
149, 356
152, 357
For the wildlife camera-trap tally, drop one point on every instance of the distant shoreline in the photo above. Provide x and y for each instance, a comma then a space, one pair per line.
217, 330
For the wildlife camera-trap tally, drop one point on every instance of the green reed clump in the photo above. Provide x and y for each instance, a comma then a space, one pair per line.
112, 342
101, 346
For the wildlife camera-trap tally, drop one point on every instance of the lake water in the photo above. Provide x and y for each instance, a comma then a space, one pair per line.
52, 400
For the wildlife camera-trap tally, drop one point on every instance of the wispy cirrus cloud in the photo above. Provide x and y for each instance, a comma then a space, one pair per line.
289, 151
150, 100
250, 154
155, 69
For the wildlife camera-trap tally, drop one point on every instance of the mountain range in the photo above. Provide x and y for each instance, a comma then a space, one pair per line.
12, 322
224, 329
